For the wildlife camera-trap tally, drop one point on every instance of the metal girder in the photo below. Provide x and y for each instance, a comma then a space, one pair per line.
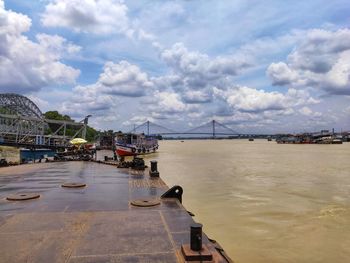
22, 122
19, 105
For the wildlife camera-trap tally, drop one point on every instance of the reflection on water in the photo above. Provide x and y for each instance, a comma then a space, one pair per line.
265, 202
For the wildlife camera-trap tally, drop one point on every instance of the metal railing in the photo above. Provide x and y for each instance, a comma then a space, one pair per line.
31, 131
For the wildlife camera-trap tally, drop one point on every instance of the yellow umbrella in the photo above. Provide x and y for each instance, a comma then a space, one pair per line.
78, 141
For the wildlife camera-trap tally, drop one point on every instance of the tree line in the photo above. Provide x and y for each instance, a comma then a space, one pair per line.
91, 133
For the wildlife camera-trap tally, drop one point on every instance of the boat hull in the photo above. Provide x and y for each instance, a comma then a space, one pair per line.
122, 150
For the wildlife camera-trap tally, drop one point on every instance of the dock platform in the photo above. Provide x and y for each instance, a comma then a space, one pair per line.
93, 223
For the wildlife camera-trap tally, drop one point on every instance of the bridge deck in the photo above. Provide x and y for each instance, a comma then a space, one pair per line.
91, 224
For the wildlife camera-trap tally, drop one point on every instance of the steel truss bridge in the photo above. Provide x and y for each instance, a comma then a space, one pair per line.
213, 129
22, 124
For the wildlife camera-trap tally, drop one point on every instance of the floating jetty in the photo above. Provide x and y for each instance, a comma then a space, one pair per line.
86, 211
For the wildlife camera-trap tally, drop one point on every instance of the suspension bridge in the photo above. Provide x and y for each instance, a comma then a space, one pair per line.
212, 129
22, 124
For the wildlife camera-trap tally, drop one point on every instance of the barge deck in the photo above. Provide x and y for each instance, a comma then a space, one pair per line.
93, 223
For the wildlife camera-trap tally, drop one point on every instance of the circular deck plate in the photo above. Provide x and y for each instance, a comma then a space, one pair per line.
22, 196
73, 185
145, 202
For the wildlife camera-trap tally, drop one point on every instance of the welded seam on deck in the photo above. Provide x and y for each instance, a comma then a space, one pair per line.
122, 254
81, 227
169, 235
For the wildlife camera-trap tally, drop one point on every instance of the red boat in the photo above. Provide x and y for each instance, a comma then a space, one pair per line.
130, 144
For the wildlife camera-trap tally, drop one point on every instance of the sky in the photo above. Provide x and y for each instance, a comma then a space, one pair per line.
256, 66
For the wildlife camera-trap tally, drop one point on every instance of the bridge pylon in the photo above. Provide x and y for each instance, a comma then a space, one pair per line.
213, 121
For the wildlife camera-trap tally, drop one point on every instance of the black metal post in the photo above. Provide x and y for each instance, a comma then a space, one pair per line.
196, 237
154, 169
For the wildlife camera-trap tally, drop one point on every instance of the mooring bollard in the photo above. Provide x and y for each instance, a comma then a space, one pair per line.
196, 251
196, 237
154, 169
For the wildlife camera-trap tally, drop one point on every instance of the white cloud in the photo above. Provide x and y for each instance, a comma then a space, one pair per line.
347, 110
281, 73
99, 17
321, 60
297, 97
265, 47
89, 16
103, 97
306, 111
251, 100
12, 23
168, 105
57, 44
239, 102
87, 99
197, 96
169, 81
137, 120
194, 74
168, 102
29, 66
198, 69
124, 79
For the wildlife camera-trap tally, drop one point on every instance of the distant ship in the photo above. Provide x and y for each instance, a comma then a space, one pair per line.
131, 144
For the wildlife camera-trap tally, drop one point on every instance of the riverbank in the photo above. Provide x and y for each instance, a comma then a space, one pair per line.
10, 154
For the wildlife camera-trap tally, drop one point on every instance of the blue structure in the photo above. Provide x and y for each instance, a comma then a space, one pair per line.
27, 155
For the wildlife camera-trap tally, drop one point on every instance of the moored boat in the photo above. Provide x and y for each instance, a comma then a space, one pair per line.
131, 144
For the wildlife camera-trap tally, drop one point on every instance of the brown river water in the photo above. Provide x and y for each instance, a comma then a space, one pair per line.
263, 201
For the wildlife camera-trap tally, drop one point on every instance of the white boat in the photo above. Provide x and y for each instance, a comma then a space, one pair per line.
131, 144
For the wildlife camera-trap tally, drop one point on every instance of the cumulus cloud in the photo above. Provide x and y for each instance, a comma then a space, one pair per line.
123, 79
87, 99
117, 79
197, 69
305, 111
321, 60
193, 74
99, 17
281, 74
168, 102
57, 44
29, 66
169, 105
251, 100
295, 97
94, 16
197, 96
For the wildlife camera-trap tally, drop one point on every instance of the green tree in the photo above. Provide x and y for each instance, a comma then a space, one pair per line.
91, 133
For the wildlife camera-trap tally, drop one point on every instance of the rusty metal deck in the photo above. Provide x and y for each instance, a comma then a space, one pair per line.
96, 223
